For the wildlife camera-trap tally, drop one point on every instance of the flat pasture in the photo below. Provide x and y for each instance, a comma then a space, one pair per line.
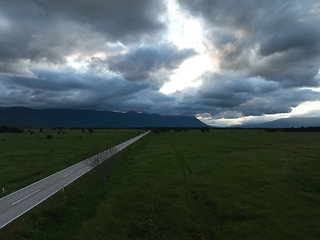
222, 184
29, 156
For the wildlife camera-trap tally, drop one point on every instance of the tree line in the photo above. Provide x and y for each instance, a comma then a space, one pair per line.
300, 129
5, 129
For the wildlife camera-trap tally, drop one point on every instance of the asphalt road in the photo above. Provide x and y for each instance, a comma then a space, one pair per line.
21, 201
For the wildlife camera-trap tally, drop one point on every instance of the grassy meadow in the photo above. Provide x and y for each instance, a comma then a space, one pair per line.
29, 156
223, 184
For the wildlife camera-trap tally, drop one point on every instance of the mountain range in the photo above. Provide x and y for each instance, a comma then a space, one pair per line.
72, 118
293, 122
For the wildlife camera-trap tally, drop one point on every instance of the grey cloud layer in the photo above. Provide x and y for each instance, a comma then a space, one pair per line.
119, 20
222, 95
49, 30
277, 40
82, 91
267, 52
138, 64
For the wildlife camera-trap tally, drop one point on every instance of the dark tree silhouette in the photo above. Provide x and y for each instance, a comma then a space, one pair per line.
103, 163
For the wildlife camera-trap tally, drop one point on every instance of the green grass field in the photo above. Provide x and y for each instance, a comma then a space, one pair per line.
26, 158
189, 185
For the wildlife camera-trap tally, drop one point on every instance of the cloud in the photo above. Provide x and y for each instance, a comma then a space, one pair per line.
291, 36
231, 96
118, 20
49, 31
72, 90
117, 55
276, 40
138, 64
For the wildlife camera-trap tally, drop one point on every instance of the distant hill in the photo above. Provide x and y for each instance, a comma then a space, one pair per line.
294, 122
71, 118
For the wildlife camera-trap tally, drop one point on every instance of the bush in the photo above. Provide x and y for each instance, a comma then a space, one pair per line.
90, 130
4, 129
49, 136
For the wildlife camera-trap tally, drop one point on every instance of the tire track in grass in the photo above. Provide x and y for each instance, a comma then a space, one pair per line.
202, 217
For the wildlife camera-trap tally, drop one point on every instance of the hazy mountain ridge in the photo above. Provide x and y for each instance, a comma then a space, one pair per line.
68, 118
294, 122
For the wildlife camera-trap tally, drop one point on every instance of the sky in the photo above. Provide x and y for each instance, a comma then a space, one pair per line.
225, 62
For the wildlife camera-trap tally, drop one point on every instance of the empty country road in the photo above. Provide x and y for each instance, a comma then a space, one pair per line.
21, 201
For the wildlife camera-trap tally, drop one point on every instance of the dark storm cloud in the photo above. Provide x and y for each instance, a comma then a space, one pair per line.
138, 64
48, 31
37, 40
52, 81
36, 37
115, 55
231, 91
279, 101
108, 86
291, 36
72, 90
119, 20
273, 39
231, 96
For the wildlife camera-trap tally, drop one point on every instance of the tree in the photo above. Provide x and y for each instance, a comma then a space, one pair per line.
103, 163
90, 130
4, 129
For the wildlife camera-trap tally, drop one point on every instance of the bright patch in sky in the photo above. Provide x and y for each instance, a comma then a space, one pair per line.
74, 62
311, 108
188, 74
306, 107
211, 59
186, 32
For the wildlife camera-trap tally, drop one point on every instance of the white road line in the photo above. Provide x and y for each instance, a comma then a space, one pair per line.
25, 197
68, 174
81, 164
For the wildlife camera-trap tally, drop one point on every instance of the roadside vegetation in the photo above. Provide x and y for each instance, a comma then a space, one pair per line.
33, 154
221, 184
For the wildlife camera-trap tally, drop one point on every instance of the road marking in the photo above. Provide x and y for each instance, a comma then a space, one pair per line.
25, 197
84, 169
68, 174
